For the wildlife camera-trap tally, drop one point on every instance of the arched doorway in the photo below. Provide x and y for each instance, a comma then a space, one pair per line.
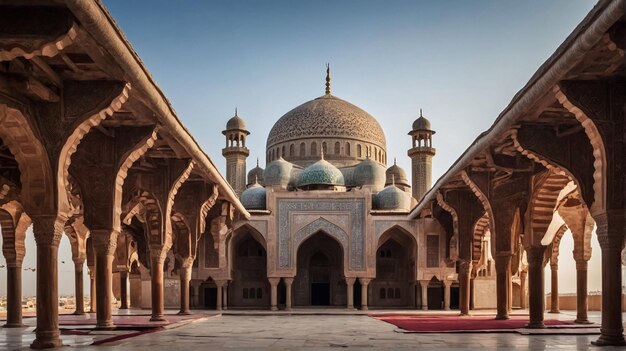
249, 287
395, 270
320, 278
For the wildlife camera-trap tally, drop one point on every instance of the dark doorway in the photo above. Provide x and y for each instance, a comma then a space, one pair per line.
210, 298
435, 298
454, 298
320, 294
357, 294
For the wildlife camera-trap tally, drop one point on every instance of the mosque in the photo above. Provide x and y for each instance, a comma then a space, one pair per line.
329, 223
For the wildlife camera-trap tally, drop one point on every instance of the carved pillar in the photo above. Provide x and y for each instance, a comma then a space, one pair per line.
92, 290
581, 292
350, 292
185, 278
104, 245
124, 290
610, 231
288, 282
424, 295
554, 288
47, 236
274, 293
157, 259
14, 295
78, 287
465, 271
364, 286
522, 289
503, 271
220, 294
535, 286
446, 295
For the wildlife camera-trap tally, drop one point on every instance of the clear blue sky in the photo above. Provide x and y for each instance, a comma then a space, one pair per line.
461, 61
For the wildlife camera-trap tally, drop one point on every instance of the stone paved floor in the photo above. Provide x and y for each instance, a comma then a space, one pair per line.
288, 332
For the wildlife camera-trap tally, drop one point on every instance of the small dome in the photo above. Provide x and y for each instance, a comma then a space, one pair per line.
277, 173
253, 198
321, 172
369, 172
392, 198
397, 175
256, 174
236, 123
421, 123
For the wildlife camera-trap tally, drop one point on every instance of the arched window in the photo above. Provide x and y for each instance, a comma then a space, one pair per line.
337, 148
347, 149
302, 150
324, 148
313, 149
359, 151
382, 293
292, 150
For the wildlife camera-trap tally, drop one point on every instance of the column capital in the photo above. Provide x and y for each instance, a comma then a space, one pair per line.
535, 255
220, 283
610, 229
465, 266
48, 229
274, 281
581, 265
364, 281
104, 241
350, 281
288, 280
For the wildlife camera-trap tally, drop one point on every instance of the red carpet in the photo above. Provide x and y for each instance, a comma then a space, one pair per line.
458, 323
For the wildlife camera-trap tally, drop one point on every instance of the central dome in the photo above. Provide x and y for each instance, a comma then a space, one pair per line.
346, 132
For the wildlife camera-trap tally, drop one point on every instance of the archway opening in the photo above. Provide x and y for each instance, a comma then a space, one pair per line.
320, 277
249, 287
395, 270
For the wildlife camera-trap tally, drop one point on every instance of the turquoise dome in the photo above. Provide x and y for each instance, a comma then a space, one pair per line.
254, 197
369, 172
392, 198
321, 172
277, 173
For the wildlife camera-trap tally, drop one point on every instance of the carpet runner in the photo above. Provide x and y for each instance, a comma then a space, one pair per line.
461, 323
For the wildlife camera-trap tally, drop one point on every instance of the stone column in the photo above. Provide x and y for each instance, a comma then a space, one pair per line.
220, 294
104, 245
92, 289
554, 288
225, 297
185, 278
424, 285
47, 236
535, 286
503, 272
581, 292
364, 285
288, 283
472, 297
157, 259
124, 290
274, 293
446, 295
350, 292
78, 287
14, 294
610, 231
522, 289
465, 274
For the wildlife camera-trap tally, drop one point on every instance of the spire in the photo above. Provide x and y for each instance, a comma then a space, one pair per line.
421, 113
328, 79
257, 162
235, 112
394, 161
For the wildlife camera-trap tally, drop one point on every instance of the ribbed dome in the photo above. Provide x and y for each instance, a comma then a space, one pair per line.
327, 117
395, 174
421, 123
277, 173
369, 172
321, 172
236, 123
254, 197
256, 174
392, 198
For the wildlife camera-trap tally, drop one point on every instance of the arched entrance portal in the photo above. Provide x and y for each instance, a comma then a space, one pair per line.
320, 278
250, 287
395, 270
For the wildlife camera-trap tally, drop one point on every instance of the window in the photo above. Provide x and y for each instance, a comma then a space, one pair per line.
282, 151
382, 293
359, 151
302, 149
337, 148
259, 293
292, 150
347, 149
432, 251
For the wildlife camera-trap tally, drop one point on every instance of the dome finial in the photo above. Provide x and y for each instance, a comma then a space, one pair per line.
328, 79
257, 162
421, 113
235, 111
394, 161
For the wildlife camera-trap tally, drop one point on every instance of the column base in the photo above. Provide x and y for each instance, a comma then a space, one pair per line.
424, 308
48, 341
79, 313
583, 321
273, 308
610, 341
535, 325
364, 308
184, 313
105, 326
464, 314
157, 319
14, 325
502, 318
554, 311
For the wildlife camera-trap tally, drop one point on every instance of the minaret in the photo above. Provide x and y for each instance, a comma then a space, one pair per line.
236, 153
421, 155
